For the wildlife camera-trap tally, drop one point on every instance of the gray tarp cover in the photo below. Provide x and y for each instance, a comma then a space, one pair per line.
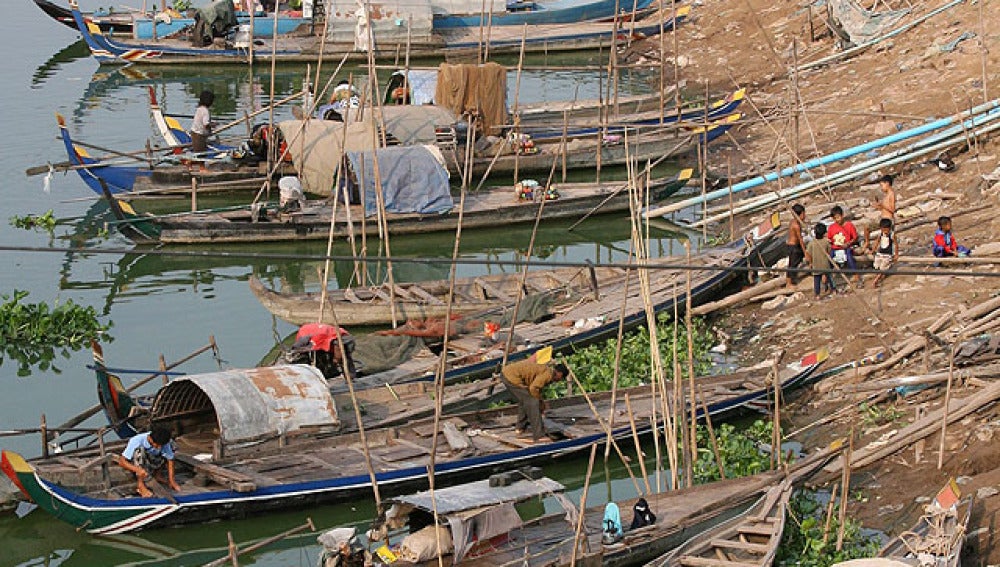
410, 124
478, 494
862, 25
413, 180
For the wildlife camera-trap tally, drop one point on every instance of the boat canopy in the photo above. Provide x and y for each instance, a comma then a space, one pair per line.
474, 512
421, 83
410, 125
249, 405
413, 180
391, 21
317, 148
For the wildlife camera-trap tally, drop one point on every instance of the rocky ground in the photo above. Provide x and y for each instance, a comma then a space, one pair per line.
894, 85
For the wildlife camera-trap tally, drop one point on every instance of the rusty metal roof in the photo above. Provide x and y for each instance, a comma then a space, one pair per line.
253, 404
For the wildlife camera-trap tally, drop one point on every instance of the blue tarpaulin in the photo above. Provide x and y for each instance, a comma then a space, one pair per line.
413, 180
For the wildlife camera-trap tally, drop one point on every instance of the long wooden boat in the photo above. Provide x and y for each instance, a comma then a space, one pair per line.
390, 40
119, 23
750, 539
596, 319
371, 305
391, 405
169, 174
488, 208
521, 12
549, 540
249, 461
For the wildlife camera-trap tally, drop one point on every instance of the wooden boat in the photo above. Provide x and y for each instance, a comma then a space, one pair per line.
248, 460
385, 406
521, 12
939, 533
487, 208
595, 319
423, 300
749, 539
169, 174
416, 31
119, 23
549, 540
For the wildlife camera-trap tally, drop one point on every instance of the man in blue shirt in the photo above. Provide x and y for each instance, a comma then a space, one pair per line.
145, 456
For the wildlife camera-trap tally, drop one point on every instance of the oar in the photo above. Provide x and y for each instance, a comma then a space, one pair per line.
42, 169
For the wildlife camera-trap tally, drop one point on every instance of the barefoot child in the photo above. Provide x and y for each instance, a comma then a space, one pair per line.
145, 455
795, 245
843, 237
818, 255
945, 244
886, 251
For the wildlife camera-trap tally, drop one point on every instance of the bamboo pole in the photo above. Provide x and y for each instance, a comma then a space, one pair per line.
829, 514
606, 429
947, 401
677, 73
234, 551
517, 111
711, 436
583, 506
618, 360
272, 152
638, 447
689, 468
678, 410
845, 492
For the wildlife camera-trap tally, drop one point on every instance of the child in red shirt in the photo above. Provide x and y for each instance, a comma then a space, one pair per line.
843, 236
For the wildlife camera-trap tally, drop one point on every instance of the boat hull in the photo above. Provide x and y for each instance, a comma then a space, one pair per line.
120, 515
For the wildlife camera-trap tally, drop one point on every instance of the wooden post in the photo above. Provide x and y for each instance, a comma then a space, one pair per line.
711, 436
776, 428
829, 514
44, 430
517, 111
689, 468
677, 73
638, 447
105, 473
194, 194
797, 101
583, 506
983, 50
845, 491
163, 367
234, 552
617, 368
947, 402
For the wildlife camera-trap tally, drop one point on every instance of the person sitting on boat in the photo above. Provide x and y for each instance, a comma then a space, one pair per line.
292, 199
146, 454
612, 532
642, 516
317, 343
525, 381
344, 96
201, 126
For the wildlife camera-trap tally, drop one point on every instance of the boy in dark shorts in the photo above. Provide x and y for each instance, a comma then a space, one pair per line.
795, 244
818, 254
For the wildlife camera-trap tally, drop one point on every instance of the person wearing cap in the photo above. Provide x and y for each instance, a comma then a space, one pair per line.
525, 380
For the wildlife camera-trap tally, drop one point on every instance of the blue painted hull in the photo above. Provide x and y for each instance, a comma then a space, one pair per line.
158, 512
537, 13
262, 26
117, 178
107, 50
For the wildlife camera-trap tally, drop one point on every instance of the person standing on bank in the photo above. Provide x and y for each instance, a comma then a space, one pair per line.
201, 126
525, 381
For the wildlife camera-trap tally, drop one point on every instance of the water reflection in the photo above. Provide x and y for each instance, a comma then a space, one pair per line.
72, 52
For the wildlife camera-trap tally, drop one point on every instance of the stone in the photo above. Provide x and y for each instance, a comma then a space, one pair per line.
986, 492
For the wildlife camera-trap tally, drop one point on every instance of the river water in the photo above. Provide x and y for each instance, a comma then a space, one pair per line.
171, 305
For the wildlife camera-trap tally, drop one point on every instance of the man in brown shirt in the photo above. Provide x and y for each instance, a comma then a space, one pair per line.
525, 381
